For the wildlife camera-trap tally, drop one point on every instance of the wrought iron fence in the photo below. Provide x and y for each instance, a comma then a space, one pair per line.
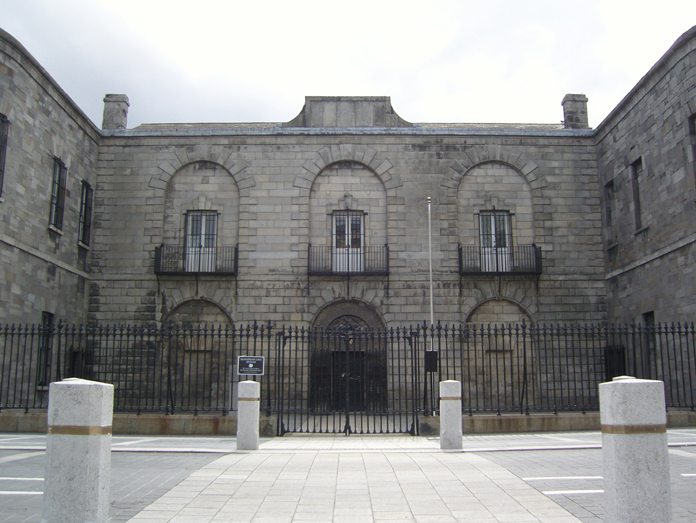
552, 368
326, 380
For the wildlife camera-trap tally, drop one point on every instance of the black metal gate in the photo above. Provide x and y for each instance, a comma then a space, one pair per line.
346, 381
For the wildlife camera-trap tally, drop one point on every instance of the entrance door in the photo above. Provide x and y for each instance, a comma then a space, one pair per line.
343, 381
348, 372
201, 240
348, 241
496, 248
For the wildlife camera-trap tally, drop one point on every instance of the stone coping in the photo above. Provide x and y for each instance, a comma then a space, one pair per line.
264, 129
218, 425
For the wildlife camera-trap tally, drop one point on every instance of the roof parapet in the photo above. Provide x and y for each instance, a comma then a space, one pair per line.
347, 111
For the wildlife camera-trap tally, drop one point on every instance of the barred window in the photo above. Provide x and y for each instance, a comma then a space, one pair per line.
4, 131
636, 176
85, 213
496, 241
348, 241
609, 209
60, 174
495, 229
201, 241
692, 139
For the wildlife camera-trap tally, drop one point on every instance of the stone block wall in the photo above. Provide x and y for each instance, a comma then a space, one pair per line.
42, 269
290, 180
647, 165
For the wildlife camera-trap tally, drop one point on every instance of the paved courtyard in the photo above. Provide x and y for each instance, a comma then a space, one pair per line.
545, 477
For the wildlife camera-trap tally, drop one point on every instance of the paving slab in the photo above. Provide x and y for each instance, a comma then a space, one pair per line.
328, 478
308, 478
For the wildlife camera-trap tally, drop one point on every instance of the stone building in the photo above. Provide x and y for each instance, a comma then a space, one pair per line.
49, 153
324, 219
646, 156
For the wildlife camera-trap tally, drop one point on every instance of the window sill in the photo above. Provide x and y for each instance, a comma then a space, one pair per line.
53, 228
641, 230
612, 245
82, 245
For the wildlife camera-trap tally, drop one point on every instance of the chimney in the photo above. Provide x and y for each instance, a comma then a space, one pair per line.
575, 111
115, 111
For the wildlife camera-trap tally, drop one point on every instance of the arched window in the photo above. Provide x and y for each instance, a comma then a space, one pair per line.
496, 222
348, 221
200, 222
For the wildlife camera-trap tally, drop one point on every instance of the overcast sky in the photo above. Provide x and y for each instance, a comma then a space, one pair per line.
470, 61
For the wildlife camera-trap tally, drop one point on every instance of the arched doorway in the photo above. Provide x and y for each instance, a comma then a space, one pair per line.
500, 357
197, 353
348, 359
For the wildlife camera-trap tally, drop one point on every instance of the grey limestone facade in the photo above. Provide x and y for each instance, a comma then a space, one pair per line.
646, 155
43, 268
325, 218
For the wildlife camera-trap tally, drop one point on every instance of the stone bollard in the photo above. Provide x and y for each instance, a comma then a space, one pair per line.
634, 451
248, 415
78, 452
450, 415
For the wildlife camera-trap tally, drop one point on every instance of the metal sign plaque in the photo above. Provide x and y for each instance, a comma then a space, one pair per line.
431, 357
250, 365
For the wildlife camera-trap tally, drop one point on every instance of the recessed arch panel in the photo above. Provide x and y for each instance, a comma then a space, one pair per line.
347, 312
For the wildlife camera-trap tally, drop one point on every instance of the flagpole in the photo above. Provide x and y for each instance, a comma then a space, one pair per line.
431, 372
430, 257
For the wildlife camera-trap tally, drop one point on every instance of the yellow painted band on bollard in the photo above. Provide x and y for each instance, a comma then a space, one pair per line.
78, 430
634, 429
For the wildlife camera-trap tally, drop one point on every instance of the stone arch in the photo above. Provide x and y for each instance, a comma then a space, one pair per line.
198, 311
177, 292
204, 188
362, 154
352, 312
499, 310
492, 153
495, 187
202, 153
348, 187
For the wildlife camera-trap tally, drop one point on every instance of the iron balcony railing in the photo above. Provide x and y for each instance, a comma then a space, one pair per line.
370, 261
507, 260
177, 260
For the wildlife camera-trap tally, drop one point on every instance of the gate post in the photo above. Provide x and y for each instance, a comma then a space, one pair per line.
78, 451
248, 415
347, 336
634, 451
450, 415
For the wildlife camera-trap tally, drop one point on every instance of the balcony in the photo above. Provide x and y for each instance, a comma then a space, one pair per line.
491, 260
177, 260
367, 261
